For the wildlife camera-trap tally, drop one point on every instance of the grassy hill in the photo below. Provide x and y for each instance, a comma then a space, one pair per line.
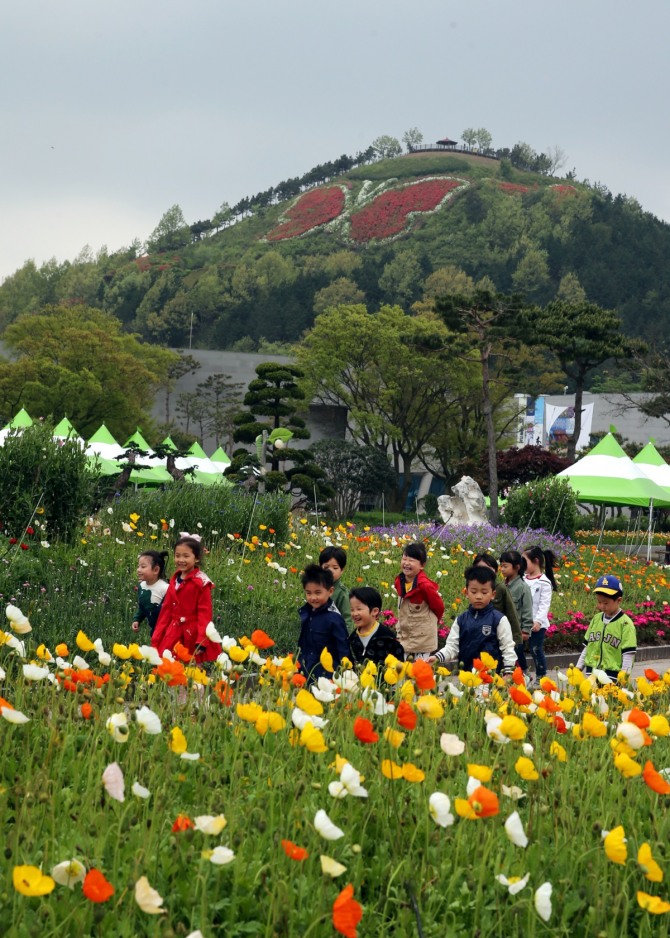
375, 234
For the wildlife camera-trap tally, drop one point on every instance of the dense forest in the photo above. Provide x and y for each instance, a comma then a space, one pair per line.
370, 229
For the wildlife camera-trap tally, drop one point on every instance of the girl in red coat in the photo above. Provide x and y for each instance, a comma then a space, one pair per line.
187, 608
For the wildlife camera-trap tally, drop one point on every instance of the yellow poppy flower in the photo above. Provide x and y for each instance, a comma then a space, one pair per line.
411, 773
481, 772
430, 707
177, 741
649, 866
84, 643
249, 712
652, 904
391, 769
526, 769
269, 720
393, 737
592, 726
308, 703
326, 660
121, 651
407, 691
558, 752
615, 845
627, 766
469, 678
312, 739
513, 727
237, 654
31, 881
659, 726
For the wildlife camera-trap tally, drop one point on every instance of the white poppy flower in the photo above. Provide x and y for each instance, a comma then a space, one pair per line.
493, 730
513, 792
81, 664
453, 690
380, 707
210, 824
472, 785
601, 676
631, 734
68, 873
439, 806
514, 884
190, 756
542, 901
346, 680
148, 721
451, 745
14, 716
219, 855
11, 641
147, 898
21, 625
325, 826
117, 725
349, 784
198, 933
212, 633
514, 830
300, 719
528, 750
13, 613
104, 658
150, 654
33, 672
330, 867
112, 779
224, 662
140, 791
227, 642
325, 690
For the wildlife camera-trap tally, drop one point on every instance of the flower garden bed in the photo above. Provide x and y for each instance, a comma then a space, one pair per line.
311, 210
388, 214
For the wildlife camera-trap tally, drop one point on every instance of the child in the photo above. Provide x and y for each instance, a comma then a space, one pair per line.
513, 567
502, 601
335, 559
322, 626
420, 605
481, 628
187, 608
152, 588
610, 640
370, 640
540, 578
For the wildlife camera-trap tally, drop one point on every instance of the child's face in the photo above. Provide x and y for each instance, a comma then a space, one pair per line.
507, 570
146, 571
334, 568
479, 594
184, 558
608, 604
316, 595
532, 566
410, 567
362, 615
483, 563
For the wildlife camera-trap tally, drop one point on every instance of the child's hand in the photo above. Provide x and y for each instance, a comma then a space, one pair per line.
431, 659
135, 626
536, 626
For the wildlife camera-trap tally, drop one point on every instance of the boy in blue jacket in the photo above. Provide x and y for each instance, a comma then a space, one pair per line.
481, 628
322, 625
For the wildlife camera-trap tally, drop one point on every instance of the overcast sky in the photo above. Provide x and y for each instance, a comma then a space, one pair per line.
112, 112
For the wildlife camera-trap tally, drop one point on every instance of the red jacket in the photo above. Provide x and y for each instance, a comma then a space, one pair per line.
419, 610
421, 590
185, 614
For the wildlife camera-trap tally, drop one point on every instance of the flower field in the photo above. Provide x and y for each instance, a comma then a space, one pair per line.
142, 796
388, 213
308, 212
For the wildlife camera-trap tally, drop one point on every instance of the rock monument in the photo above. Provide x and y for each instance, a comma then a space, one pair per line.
465, 506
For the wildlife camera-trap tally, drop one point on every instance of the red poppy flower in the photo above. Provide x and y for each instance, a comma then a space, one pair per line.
520, 696
559, 723
406, 716
347, 913
298, 680
24, 547
639, 718
30, 530
517, 676
224, 692
423, 675
261, 639
652, 675
364, 731
293, 851
96, 888
182, 823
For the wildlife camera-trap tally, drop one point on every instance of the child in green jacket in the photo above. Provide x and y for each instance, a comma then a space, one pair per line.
335, 559
610, 640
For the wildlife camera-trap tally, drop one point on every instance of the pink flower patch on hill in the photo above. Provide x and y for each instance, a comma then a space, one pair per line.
388, 214
311, 210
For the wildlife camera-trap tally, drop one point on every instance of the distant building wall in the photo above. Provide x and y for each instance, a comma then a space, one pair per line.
323, 422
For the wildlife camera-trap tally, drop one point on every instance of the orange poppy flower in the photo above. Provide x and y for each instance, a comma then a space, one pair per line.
652, 675
423, 675
224, 692
96, 888
298, 680
364, 731
655, 780
520, 696
347, 913
293, 851
182, 823
406, 715
482, 803
261, 639
517, 677
182, 652
86, 711
172, 672
550, 705
639, 718
5, 703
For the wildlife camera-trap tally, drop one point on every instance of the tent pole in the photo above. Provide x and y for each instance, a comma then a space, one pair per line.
649, 530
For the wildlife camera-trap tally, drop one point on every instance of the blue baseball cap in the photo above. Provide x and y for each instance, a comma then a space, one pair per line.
609, 585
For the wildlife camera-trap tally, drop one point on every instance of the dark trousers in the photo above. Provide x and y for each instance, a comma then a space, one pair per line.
536, 648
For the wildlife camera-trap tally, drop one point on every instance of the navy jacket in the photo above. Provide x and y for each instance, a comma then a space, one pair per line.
382, 644
321, 628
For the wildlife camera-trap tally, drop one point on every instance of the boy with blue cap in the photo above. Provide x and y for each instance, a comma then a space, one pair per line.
611, 639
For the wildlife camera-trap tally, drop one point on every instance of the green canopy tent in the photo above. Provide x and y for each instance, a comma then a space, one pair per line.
19, 422
607, 476
153, 474
220, 459
652, 463
65, 431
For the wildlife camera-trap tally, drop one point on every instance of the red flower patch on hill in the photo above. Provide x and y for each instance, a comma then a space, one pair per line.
315, 208
387, 215
513, 187
565, 190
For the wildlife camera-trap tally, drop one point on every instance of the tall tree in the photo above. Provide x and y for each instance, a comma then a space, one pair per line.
183, 365
483, 320
412, 138
76, 361
171, 233
386, 147
221, 398
391, 373
582, 336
